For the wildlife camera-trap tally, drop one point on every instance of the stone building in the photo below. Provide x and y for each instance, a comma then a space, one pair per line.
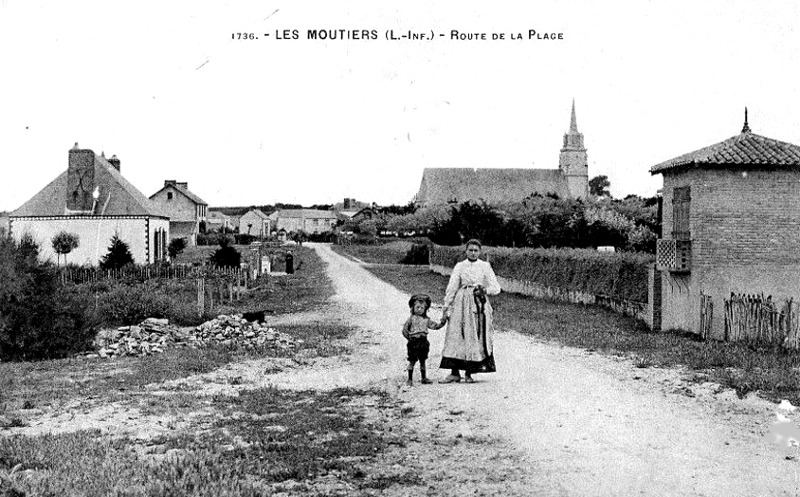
255, 222
500, 185
731, 223
309, 220
94, 201
185, 210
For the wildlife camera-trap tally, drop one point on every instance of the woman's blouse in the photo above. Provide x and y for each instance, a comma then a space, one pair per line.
467, 273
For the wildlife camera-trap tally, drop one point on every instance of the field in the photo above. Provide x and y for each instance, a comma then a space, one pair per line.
391, 252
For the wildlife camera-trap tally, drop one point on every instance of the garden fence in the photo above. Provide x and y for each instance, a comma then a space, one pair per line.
756, 318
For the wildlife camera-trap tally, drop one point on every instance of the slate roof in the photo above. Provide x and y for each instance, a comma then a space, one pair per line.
745, 148
257, 212
303, 214
442, 185
117, 196
217, 215
185, 191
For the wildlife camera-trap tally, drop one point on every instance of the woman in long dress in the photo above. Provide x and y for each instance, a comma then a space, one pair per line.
468, 340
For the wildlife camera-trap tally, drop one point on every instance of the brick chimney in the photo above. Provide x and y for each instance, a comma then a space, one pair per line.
80, 179
170, 182
114, 162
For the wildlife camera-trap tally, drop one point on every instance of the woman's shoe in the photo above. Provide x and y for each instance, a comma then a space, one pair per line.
451, 378
469, 379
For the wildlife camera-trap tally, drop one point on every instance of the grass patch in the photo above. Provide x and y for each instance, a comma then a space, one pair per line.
772, 371
263, 441
387, 253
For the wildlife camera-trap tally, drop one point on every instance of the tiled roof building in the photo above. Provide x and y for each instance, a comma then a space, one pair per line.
93, 200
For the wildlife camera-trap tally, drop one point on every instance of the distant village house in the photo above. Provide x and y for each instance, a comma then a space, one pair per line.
255, 222
185, 210
308, 220
219, 221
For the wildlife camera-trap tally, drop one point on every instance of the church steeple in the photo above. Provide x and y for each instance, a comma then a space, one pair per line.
573, 122
573, 139
574, 162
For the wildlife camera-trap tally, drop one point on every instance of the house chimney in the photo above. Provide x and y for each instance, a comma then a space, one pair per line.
170, 182
114, 162
80, 179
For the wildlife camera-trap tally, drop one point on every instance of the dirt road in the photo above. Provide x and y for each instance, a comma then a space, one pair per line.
551, 421
584, 424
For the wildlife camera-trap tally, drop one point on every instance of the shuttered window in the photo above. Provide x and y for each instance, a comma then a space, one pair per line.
681, 199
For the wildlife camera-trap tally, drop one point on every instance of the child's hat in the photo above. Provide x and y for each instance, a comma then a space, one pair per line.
420, 297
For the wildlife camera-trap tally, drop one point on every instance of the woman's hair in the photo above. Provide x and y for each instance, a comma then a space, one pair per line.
420, 297
474, 241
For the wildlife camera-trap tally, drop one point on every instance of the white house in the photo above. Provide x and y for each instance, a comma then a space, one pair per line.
92, 200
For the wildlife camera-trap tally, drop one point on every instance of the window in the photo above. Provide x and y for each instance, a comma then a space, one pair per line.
681, 199
169, 195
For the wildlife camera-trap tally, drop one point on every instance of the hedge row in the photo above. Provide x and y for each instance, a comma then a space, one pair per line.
617, 275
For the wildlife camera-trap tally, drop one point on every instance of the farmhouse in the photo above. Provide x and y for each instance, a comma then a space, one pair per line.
254, 222
185, 210
308, 220
219, 221
495, 186
94, 201
731, 223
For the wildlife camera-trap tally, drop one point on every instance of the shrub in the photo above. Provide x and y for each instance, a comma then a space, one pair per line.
417, 254
244, 239
119, 255
618, 275
39, 318
64, 243
226, 255
176, 246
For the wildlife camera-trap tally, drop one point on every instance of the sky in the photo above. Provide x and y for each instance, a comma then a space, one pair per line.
170, 89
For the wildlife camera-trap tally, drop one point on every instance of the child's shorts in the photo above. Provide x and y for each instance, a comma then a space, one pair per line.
418, 349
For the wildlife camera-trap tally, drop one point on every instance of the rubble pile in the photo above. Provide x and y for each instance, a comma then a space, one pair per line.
154, 335
235, 329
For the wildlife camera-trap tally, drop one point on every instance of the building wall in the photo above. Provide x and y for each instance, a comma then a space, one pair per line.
94, 233
260, 226
309, 225
179, 208
745, 232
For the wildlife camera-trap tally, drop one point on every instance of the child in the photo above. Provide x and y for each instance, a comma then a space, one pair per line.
416, 332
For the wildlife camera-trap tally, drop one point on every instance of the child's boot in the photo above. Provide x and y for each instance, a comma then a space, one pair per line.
425, 380
410, 380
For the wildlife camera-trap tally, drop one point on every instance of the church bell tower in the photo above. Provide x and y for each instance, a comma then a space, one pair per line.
573, 161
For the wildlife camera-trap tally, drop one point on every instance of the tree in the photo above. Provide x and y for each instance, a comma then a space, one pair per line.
176, 246
119, 255
64, 243
226, 255
598, 186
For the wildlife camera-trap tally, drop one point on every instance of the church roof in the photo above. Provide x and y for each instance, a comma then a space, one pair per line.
746, 149
117, 196
443, 185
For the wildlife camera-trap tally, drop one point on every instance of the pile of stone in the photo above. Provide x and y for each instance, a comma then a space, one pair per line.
154, 335
234, 329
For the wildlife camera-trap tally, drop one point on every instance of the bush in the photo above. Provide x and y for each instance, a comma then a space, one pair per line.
244, 238
127, 304
119, 255
226, 255
176, 247
417, 254
39, 318
210, 238
617, 275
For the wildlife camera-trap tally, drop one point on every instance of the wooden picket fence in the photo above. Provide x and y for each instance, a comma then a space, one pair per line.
755, 318
706, 315
144, 273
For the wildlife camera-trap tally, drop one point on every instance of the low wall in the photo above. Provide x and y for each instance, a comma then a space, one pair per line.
632, 308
